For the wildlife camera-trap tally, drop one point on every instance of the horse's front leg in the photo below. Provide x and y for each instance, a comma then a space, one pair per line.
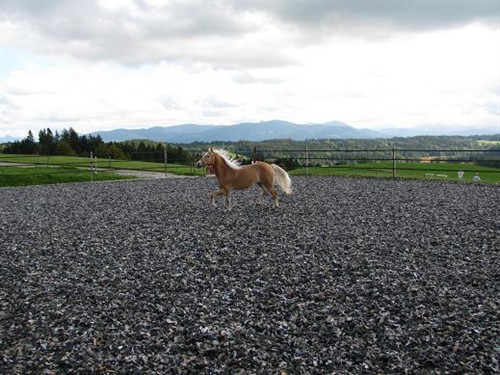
219, 192
229, 200
214, 195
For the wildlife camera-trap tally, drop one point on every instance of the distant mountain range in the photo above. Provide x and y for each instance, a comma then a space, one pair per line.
437, 130
258, 131
276, 129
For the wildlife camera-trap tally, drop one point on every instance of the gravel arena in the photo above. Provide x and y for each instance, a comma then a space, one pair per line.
347, 276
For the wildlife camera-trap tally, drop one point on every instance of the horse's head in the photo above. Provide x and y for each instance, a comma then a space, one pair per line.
207, 160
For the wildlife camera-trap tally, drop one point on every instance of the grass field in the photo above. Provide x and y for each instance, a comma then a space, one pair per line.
42, 169
489, 143
70, 166
75, 161
439, 171
23, 176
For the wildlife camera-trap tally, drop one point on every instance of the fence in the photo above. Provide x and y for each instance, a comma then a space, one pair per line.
386, 163
460, 164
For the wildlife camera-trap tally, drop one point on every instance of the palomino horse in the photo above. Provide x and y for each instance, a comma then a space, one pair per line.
232, 176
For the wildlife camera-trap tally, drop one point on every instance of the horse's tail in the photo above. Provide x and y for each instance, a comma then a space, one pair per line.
282, 179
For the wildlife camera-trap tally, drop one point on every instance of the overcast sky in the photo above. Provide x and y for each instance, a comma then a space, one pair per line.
99, 65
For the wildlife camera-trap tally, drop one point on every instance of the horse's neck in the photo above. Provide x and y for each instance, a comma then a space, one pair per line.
222, 170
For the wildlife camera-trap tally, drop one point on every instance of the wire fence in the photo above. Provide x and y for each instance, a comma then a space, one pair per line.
458, 164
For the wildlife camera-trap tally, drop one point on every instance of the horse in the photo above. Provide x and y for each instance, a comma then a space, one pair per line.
233, 176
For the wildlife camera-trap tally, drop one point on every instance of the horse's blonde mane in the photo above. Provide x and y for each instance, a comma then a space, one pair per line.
230, 161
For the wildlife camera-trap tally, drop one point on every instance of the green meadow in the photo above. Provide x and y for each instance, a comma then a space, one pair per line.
37, 170
23, 176
60, 169
489, 143
76, 161
429, 171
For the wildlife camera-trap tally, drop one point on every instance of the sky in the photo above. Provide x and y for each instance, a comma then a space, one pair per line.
107, 64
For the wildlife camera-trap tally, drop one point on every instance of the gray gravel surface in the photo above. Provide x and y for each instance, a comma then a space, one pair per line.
346, 276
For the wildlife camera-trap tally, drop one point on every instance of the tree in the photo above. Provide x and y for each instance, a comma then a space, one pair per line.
46, 142
287, 163
74, 141
116, 152
26, 146
94, 142
64, 149
102, 151
30, 143
142, 151
64, 135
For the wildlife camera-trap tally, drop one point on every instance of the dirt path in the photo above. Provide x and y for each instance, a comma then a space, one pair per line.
122, 172
148, 174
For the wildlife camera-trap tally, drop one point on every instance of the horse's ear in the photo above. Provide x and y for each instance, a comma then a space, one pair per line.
211, 150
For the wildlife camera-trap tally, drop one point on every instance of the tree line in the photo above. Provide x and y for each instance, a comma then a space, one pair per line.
292, 153
286, 152
69, 143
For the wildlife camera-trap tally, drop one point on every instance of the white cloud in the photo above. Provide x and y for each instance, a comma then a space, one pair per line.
136, 33
98, 65
348, 16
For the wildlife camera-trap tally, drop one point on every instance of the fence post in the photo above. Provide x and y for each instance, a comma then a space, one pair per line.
254, 156
165, 157
306, 158
91, 166
109, 161
393, 163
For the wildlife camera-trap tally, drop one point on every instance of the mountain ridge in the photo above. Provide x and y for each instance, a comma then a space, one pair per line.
248, 131
274, 129
278, 129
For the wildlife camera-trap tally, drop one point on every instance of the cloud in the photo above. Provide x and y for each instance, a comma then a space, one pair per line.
135, 33
401, 14
227, 34
122, 63
105, 96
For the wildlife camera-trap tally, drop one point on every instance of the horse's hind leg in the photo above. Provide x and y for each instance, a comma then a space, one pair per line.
263, 192
272, 192
274, 195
